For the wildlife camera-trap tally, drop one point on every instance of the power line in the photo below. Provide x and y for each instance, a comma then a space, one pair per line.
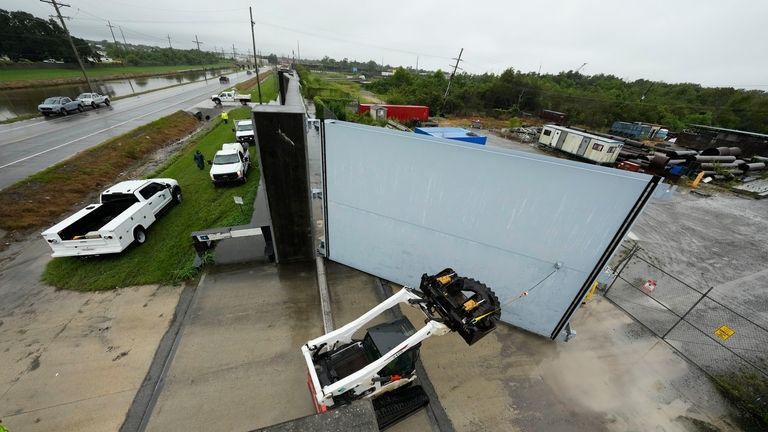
72, 43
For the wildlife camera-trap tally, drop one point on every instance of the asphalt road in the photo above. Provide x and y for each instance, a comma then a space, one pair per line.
30, 146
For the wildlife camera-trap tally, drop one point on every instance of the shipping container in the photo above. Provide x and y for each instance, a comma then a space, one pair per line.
597, 149
401, 113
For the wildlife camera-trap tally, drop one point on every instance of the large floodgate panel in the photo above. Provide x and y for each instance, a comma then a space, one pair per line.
401, 204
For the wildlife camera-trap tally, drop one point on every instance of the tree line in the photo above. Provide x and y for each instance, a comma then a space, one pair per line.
590, 100
23, 36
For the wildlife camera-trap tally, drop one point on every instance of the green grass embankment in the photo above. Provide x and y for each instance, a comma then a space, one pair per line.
168, 255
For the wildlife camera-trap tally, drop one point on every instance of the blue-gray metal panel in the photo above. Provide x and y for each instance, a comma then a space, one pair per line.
401, 204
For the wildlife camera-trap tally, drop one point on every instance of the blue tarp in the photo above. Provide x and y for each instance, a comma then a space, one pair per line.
458, 134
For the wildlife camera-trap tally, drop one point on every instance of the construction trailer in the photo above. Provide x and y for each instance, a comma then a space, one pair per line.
401, 113
454, 133
596, 149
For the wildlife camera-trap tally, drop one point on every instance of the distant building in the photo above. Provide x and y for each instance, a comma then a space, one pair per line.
553, 116
597, 149
387, 73
701, 137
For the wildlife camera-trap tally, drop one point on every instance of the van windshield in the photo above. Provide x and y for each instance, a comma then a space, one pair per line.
244, 127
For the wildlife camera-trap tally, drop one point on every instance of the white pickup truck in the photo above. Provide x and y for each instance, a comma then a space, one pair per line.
231, 96
244, 131
93, 99
230, 164
124, 213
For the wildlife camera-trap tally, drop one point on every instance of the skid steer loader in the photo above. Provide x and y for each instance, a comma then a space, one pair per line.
382, 366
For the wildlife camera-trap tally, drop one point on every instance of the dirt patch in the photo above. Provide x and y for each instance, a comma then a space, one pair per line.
44, 197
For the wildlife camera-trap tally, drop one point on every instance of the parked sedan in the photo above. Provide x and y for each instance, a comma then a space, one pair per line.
93, 99
61, 105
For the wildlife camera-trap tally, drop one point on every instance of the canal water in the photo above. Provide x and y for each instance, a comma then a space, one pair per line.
14, 103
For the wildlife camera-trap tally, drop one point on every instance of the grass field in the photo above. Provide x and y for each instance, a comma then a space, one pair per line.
167, 255
268, 87
43, 74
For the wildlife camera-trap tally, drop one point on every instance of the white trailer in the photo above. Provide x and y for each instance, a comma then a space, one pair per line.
124, 213
597, 149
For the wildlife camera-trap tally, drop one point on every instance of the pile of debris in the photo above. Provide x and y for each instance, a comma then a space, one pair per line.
522, 134
719, 163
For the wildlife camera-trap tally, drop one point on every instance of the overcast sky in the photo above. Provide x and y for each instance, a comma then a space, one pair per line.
714, 43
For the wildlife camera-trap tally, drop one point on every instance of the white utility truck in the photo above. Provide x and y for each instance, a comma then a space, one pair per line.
230, 164
123, 215
244, 131
231, 96
382, 365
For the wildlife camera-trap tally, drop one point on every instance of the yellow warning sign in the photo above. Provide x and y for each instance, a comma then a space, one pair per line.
724, 332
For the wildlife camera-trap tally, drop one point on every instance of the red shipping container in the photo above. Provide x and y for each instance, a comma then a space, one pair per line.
401, 113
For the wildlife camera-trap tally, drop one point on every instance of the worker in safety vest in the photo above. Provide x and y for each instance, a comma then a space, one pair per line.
225, 116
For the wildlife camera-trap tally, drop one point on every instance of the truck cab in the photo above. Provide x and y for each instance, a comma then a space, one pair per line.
230, 164
244, 131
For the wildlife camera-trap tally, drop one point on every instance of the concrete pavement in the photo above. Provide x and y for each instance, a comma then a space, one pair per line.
71, 360
238, 365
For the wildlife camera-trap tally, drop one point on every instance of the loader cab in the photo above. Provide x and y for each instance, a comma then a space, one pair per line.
382, 338
379, 340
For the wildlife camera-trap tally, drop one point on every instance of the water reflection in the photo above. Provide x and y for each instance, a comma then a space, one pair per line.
14, 103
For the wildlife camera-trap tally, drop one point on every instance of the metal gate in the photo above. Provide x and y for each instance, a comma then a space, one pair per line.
536, 229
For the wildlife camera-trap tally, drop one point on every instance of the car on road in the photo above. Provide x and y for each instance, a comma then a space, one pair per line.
223, 79
93, 99
124, 213
61, 105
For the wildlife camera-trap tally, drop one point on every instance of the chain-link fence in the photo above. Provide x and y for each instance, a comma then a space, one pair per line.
721, 338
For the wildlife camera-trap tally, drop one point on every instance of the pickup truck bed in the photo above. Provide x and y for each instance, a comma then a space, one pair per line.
93, 221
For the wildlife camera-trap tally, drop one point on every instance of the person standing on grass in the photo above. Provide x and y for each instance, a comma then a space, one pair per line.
199, 160
225, 116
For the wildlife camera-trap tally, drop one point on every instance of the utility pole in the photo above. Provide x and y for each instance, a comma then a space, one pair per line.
109, 24
125, 44
255, 62
71, 42
447, 89
417, 64
198, 43
169, 42
298, 51
234, 53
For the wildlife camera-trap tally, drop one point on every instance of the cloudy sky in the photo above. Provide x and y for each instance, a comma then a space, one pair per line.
714, 43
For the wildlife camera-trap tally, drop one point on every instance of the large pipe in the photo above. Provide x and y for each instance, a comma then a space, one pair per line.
709, 166
659, 160
760, 158
701, 158
676, 161
676, 154
755, 166
722, 151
